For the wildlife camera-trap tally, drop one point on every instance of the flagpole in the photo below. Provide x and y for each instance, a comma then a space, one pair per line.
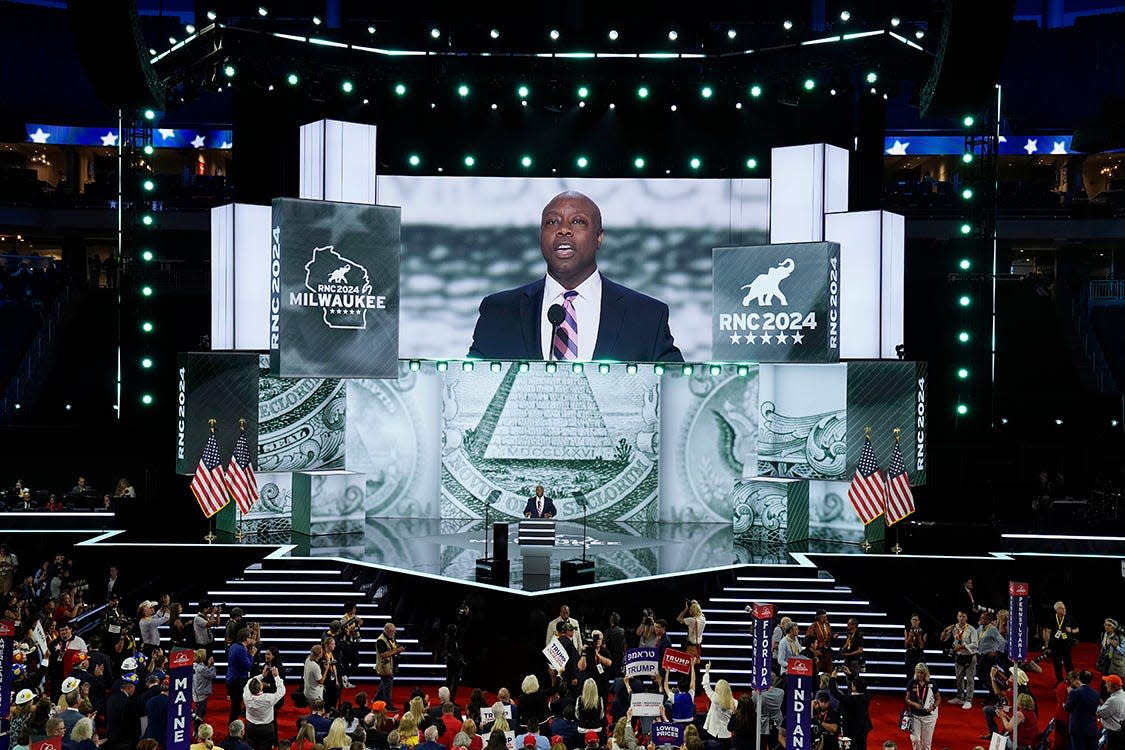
238, 535
210, 538
897, 549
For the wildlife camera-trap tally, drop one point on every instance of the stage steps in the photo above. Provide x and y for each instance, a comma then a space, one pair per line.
294, 599
798, 591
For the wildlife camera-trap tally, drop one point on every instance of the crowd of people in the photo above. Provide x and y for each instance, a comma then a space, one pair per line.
81, 496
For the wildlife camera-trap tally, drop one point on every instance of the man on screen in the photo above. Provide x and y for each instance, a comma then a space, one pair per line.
573, 312
539, 506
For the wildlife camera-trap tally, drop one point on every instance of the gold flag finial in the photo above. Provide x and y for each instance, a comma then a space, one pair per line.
898, 433
242, 424
211, 423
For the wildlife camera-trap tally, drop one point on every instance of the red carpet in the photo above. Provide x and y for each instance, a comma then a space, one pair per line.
957, 729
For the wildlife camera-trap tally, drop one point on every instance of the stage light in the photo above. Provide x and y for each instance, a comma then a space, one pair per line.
613, 35
731, 33
845, 15
415, 365
463, 90
966, 228
716, 370
317, 21
1003, 420
152, 50
147, 326
967, 193
551, 367
965, 264
146, 363
347, 87
554, 34
963, 373
494, 106
706, 92
577, 368
872, 77
147, 399
965, 300
400, 89
962, 409
743, 371
612, 105
1058, 422
525, 161
639, 162
467, 366
148, 149
642, 92
172, 40
293, 79
228, 71
469, 160
963, 337
919, 34
687, 369
494, 33
632, 370
810, 84
968, 121
603, 368
262, 11
583, 92
146, 290
1113, 423
755, 91
435, 33
895, 21
366, 101
147, 256
658, 369
967, 157
150, 114
751, 163
147, 220
442, 366
787, 25
582, 162
495, 367
522, 92
695, 162
370, 29
18, 406
832, 92
211, 15
673, 35
524, 367
673, 108
414, 160
67, 407
148, 185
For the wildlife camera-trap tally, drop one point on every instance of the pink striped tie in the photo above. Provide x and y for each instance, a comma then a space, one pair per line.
565, 345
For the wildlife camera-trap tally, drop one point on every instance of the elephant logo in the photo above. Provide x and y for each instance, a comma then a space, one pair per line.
766, 286
340, 275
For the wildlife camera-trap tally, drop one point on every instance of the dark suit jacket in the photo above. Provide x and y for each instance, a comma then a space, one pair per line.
548, 507
1082, 705
632, 327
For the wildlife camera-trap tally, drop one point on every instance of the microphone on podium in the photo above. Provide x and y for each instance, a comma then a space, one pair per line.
555, 316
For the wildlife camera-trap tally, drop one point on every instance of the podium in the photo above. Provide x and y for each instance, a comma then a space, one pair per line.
536, 538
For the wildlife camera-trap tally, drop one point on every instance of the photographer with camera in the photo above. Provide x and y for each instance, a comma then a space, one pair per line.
347, 642
152, 616
692, 618
207, 618
646, 631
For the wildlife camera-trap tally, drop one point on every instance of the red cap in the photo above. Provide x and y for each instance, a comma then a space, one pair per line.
591, 737
1112, 679
529, 740
556, 739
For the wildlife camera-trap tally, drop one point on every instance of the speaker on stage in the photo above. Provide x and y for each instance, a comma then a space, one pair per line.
500, 541
576, 573
494, 571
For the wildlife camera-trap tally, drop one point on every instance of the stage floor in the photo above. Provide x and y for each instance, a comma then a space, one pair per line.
621, 551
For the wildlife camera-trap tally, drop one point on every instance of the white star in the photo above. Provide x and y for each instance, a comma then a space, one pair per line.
226, 145
751, 338
1059, 147
798, 338
898, 149
782, 338
39, 136
197, 141
166, 133
766, 338
1031, 146
735, 338
109, 139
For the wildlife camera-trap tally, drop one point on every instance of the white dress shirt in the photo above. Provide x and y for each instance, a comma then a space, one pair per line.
259, 708
1112, 712
587, 313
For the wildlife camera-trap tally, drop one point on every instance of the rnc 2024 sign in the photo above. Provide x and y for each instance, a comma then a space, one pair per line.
777, 303
334, 292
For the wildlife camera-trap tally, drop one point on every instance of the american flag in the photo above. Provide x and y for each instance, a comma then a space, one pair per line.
867, 491
900, 500
207, 484
240, 476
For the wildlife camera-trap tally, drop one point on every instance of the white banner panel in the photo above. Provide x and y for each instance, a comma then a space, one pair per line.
858, 233
338, 162
222, 277
240, 261
805, 183
894, 275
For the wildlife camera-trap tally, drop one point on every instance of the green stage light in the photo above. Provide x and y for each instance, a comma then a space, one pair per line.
967, 158
148, 149
400, 89
962, 410
743, 371
687, 369
293, 79
642, 92
146, 363
495, 367
469, 160
582, 162
147, 326
706, 92
965, 300
147, 220
525, 161
551, 367
965, 264
414, 160
415, 365
632, 370
872, 77
603, 368
963, 373
751, 163
968, 121
716, 370
463, 90
147, 256
524, 367
639, 162
695, 162
810, 84
150, 114
966, 228
147, 399
755, 91
146, 290
347, 87
148, 185
963, 337
523, 92
967, 193
576, 367
658, 369
442, 366
229, 71
467, 366
583, 92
